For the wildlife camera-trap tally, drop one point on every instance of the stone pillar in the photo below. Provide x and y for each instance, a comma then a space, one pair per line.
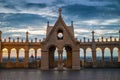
26, 52
119, 55
111, 57
26, 36
26, 58
93, 36
102, 55
94, 57
119, 35
35, 54
84, 55
44, 60
8, 55
76, 60
0, 52
17, 59
0, 46
60, 65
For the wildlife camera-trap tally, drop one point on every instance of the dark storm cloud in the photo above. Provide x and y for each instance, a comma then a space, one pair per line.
90, 12
39, 5
18, 20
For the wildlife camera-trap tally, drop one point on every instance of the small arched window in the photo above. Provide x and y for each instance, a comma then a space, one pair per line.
60, 35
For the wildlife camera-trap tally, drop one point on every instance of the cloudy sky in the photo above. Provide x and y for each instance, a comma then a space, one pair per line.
19, 16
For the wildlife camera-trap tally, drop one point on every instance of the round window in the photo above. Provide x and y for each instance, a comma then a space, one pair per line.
60, 35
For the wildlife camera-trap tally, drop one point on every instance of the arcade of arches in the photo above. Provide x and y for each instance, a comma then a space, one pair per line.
59, 50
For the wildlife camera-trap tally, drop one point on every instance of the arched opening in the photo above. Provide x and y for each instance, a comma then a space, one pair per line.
115, 54
88, 55
31, 55
64, 57
107, 54
4, 55
13, 55
52, 61
21, 55
59, 34
81, 54
98, 55
39, 54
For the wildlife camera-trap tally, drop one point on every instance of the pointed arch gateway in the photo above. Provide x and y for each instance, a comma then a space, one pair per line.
60, 37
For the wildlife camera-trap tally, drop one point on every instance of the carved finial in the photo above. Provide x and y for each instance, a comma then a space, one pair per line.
84, 39
60, 10
72, 23
27, 36
93, 36
35, 39
48, 24
0, 35
119, 35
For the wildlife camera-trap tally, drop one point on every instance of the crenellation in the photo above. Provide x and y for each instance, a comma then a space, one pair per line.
39, 40
115, 39
106, 39
111, 38
102, 39
35, 39
9, 39
13, 40
88, 40
31, 41
84, 39
80, 40
17, 39
98, 40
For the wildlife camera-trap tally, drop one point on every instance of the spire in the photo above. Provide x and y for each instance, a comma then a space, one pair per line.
60, 19
72, 23
60, 10
0, 35
27, 36
93, 36
48, 24
119, 35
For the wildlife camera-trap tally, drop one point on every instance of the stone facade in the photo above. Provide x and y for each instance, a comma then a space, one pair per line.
59, 36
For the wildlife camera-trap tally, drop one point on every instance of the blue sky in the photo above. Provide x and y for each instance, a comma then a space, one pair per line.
19, 16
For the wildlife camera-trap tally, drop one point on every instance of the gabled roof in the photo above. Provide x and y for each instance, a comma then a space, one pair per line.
60, 20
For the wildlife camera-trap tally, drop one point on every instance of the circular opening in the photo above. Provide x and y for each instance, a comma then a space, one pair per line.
60, 35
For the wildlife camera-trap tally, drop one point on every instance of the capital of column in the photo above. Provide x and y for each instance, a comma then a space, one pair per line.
60, 51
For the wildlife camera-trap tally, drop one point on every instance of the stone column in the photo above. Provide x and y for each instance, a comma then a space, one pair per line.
26, 58
60, 65
111, 57
44, 60
17, 59
119, 55
0, 51
102, 55
8, 55
76, 60
94, 57
84, 55
0, 46
35, 55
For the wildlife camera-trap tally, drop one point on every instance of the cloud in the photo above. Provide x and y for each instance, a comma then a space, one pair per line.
17, 16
